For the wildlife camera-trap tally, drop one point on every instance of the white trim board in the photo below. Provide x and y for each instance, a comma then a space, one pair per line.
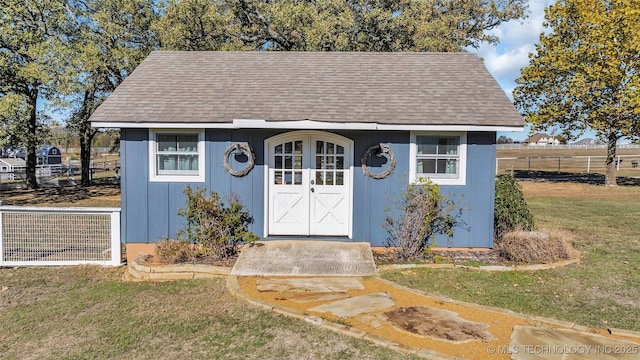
303, 125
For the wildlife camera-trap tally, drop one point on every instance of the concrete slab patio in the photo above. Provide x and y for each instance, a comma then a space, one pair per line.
305, 258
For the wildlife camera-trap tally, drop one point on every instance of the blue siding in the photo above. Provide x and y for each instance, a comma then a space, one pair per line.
150, 209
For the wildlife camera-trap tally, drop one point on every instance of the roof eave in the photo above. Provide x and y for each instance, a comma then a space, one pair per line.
304, 125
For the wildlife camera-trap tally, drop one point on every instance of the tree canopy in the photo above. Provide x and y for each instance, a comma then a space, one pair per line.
109, 38
31, 64
333, 25
74, 53
584, 74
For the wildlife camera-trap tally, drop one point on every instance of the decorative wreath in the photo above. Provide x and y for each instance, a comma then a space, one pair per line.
380, 150
245, 149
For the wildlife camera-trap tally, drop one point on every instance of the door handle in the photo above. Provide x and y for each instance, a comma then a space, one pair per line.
312, 189
313, 182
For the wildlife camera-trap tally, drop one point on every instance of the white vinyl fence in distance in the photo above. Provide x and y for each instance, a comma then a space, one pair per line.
36, 236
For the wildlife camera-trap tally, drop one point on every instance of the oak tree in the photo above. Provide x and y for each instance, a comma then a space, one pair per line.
584, 73
333, 25
31, 44
109, 39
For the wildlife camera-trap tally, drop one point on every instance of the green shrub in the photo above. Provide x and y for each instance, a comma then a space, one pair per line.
511, 211
217, 228
424, 213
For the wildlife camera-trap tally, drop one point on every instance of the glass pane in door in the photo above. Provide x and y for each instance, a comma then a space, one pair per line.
329, 163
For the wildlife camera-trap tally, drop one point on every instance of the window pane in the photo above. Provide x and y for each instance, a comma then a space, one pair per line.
339, 162
167, 162
278, 162
339, 178
426, 166
319, 162
329, 177
297, 177
278, 149
167, 142
297, 162
287, 178
319, 147
448, 145
288, 148
298, 147
427, 144
319, 178
188, 142
278, 178
288, 162
339, 149
184, 163
329, 163
330, 148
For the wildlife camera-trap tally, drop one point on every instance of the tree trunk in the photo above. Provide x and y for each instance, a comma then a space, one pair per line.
610, 176
86, 136
32, 142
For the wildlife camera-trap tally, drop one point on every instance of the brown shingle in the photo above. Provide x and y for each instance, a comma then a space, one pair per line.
383, 88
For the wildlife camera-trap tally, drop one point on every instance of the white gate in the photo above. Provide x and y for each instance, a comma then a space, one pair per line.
31, 236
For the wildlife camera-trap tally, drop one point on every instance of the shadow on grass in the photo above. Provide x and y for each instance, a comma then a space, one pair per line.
583, 178
57, 194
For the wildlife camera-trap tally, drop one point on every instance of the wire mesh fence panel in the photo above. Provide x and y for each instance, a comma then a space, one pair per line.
59, 237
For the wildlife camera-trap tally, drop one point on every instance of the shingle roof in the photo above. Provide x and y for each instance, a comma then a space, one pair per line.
14, 162
342, 87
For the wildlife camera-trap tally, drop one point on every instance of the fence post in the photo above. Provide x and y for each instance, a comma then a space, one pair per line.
588, 164
529, 167
618, 163
558, 164
116, 246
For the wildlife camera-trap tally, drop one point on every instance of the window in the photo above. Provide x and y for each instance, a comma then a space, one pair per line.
440, 157
176, 155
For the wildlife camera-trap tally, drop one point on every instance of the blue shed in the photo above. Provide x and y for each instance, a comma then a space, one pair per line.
316, 144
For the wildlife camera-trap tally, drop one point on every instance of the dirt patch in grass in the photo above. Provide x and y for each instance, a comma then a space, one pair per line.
439, 324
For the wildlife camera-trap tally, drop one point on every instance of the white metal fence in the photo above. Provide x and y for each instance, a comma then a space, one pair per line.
59, 236
627, 165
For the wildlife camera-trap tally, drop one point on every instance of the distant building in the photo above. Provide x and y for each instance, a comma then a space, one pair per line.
586, 142
9, 166
45, 154
541, 139
49, 155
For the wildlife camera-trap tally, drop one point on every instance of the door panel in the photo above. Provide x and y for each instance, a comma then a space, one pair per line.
329, 191
309, 185
289, 198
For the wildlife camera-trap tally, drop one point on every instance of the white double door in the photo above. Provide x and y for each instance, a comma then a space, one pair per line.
309, 184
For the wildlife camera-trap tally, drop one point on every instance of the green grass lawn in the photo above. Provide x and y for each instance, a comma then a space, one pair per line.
603, 290
89, 313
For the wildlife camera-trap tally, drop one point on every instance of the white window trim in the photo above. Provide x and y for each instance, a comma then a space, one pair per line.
462, 164
155, 177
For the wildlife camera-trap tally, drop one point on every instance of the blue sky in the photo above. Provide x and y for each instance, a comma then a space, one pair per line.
505, 59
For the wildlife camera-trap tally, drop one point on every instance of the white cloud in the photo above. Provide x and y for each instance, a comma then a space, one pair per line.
517, 38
